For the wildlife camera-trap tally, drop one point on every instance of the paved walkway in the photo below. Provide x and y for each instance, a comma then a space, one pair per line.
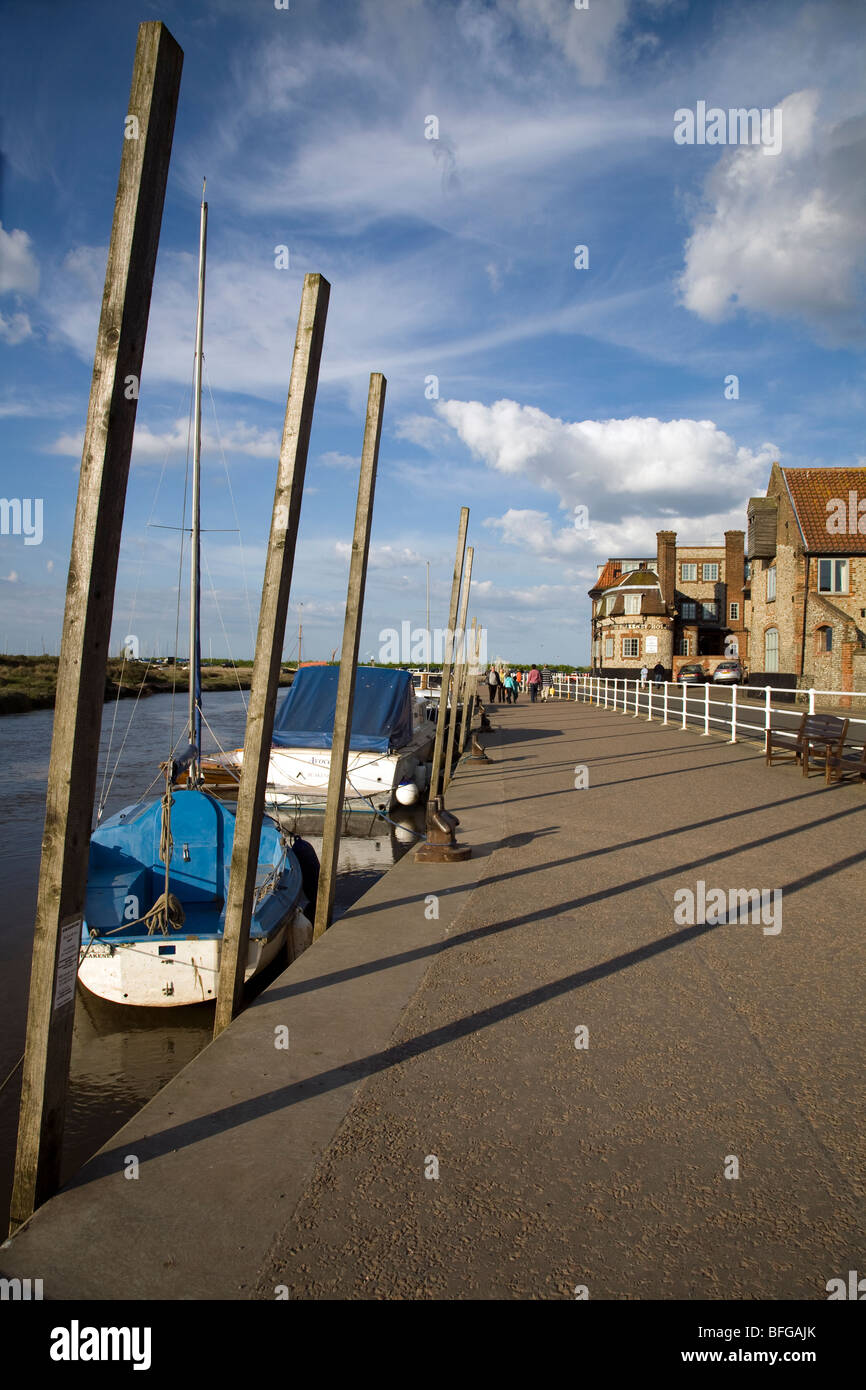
419, 1041
605, 1167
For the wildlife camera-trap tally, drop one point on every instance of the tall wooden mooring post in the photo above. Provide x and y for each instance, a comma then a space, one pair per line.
148, 131
349, 655
438, 746
461, 654
269, 645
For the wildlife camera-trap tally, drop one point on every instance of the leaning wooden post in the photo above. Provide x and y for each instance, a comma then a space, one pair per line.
469, 687
461, 650
269, 645
449, 641
148, 132
349, 655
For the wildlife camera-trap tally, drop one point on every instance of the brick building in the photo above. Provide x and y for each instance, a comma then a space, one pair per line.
807, 555
684, 604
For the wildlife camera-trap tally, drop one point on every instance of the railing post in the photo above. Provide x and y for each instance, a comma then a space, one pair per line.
811, 701
649, 700
684, 687
636, 697
605, 691
665, 704
733, 737
767, 712
706, 709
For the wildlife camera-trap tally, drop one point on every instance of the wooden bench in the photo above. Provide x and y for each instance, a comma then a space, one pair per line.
850, 762
819, 735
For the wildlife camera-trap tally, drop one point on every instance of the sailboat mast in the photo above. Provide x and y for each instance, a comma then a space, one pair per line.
195, 552
427, 640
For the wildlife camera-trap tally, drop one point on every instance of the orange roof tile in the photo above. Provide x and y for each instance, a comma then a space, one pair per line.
609, 575
811, 490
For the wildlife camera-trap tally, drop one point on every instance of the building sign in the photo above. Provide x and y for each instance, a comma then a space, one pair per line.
652, 643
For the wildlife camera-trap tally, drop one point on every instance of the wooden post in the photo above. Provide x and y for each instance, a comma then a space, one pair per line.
470, 686
349, 655
148, 132
449, 641
461, 650
269, 645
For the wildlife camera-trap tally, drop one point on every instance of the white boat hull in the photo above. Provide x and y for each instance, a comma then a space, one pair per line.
299, 776
135, 972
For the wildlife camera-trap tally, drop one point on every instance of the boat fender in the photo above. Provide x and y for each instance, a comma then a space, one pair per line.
308, 862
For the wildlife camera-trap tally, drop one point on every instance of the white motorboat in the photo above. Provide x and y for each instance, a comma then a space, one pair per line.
389, 747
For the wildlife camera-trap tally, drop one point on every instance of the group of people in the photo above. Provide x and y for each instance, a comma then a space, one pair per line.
504, 685
658, 674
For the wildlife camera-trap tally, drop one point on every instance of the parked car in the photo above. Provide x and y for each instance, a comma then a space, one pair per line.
729, 673
693, 673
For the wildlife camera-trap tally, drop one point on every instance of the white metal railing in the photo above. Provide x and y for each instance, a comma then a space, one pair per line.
746, 712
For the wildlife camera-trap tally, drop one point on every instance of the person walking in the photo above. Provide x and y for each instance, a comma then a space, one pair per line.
515, 686
492, 683
644, 674
510, 689
658, 674
534, 683
546, 683
502, 685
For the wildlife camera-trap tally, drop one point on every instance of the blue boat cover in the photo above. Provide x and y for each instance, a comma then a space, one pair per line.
381, 714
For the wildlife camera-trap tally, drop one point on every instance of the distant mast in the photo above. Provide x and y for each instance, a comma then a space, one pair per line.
195, 557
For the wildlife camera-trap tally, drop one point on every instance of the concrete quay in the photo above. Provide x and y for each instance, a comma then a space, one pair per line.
544, 1088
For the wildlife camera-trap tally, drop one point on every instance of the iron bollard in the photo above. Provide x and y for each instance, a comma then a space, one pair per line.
441, 847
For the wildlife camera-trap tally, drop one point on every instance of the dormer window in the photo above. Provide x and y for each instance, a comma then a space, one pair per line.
632, 603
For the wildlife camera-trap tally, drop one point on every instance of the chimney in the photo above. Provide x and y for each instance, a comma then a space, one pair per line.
735, 578
666, 566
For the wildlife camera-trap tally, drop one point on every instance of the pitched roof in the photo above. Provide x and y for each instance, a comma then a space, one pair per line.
639, 578
811, 490
608, 576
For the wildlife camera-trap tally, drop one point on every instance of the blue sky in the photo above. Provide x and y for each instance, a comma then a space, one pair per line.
452, 258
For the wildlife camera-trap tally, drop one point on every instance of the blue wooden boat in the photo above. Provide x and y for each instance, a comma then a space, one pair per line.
134, 954
159, 870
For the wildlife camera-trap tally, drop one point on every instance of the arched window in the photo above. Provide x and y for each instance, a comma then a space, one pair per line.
771, 649
824, 638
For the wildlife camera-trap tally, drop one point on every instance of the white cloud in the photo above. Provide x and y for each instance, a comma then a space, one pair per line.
385, 557
18, 268
238, 438
634, 476
588, 461
15, 329
333, 459
784, 235
586, 36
